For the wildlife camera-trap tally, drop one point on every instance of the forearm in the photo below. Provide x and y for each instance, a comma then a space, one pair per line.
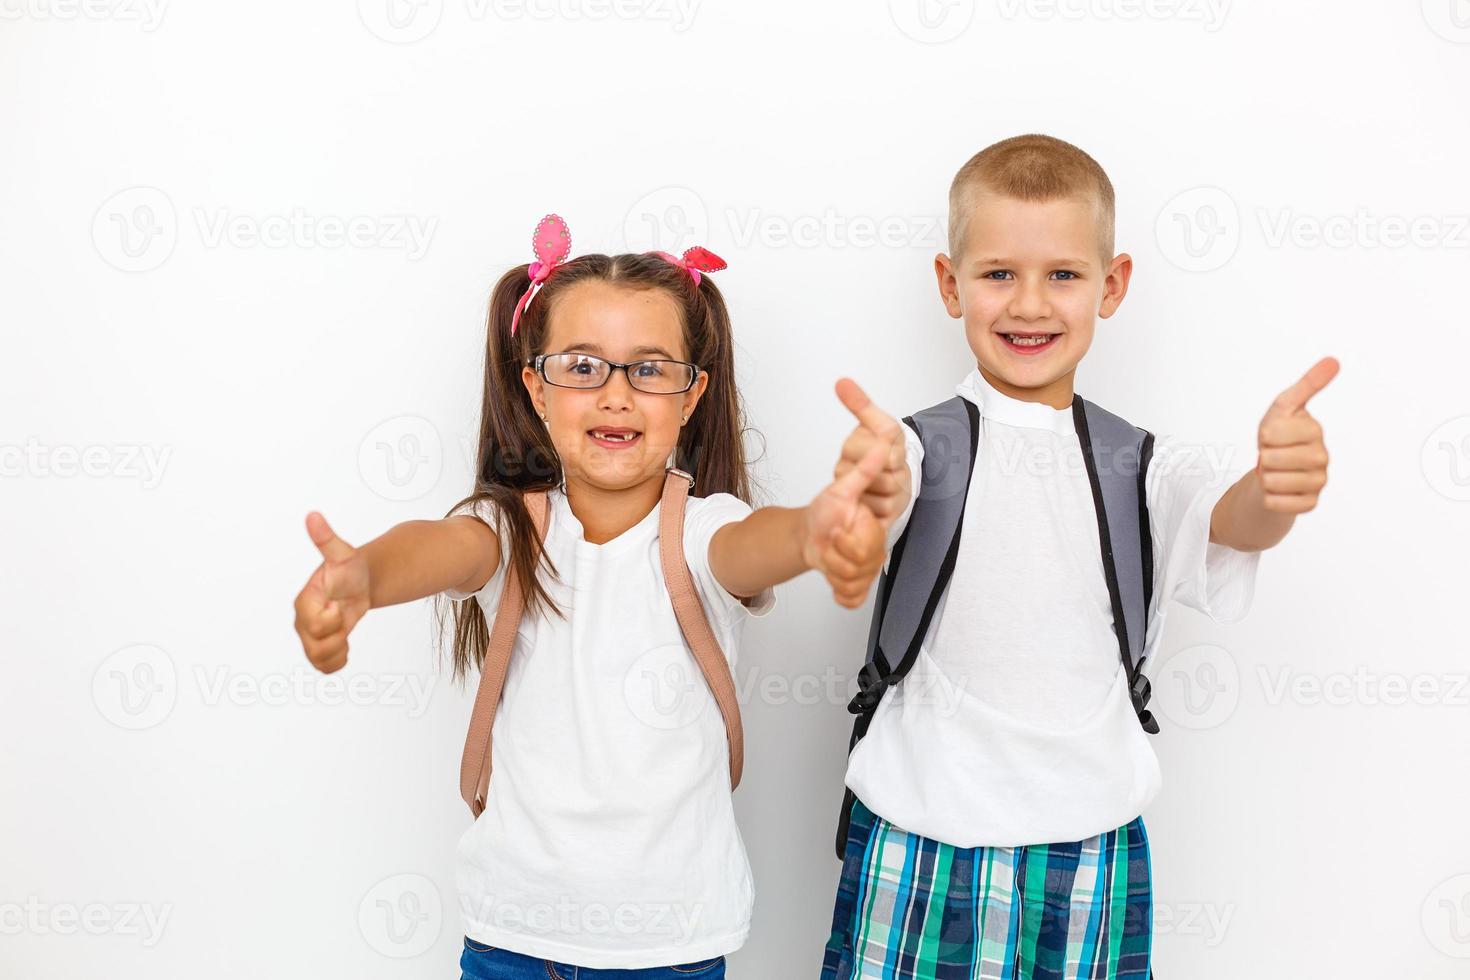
1242, 521
416, 559
763, 550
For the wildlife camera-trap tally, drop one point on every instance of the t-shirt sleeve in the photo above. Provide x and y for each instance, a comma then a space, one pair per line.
914, 451
701, 521
486, 510
1184, 483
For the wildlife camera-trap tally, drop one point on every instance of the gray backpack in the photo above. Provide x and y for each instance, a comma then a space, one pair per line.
1116, 454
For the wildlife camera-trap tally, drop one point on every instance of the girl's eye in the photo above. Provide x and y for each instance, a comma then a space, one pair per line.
649, 369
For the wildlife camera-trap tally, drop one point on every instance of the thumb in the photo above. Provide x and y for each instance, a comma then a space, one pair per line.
332, 547
850, 485
869, 415
1295, 398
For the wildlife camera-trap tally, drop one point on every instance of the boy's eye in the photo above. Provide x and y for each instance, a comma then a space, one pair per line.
1000, 275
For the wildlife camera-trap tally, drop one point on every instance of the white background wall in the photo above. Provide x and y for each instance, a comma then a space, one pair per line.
168, 755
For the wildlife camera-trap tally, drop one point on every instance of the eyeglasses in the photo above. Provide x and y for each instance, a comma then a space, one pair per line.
571, 370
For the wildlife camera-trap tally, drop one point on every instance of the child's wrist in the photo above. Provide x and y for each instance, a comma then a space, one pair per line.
804, 538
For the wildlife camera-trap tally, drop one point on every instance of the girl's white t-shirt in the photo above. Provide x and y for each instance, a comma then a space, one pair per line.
608, 838
1015, 725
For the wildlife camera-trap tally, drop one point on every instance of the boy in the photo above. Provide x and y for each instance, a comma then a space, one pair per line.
1000, 764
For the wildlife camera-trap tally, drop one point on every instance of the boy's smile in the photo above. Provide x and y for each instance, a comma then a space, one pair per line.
1027, 344
1029, 280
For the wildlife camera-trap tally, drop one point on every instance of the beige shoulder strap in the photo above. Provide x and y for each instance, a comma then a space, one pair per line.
474, 769
692, 621
474, 765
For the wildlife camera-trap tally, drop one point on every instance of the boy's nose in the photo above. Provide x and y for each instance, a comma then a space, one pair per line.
1029, 303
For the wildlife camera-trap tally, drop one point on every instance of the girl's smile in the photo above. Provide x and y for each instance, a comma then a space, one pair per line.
615, 438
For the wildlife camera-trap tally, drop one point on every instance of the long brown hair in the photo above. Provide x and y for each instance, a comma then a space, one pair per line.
516, 454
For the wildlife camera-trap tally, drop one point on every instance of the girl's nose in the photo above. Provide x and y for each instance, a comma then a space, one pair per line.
616, 393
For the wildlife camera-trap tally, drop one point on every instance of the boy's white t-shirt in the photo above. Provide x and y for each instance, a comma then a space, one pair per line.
608, 838
1015, 726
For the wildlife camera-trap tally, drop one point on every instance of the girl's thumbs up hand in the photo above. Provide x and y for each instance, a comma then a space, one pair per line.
887, 494
853, 557
841, 537
334, 598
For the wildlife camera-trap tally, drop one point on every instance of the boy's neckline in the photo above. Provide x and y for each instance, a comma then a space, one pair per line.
1000, 407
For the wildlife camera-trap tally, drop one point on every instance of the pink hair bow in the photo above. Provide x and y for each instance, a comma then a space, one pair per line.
552, 243
694, 261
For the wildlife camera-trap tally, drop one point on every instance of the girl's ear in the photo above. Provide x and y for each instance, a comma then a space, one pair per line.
692, 396
535, 388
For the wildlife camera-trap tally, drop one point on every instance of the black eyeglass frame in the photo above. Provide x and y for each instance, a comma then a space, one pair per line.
538, 364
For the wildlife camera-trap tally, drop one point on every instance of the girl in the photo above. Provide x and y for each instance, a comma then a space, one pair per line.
608, 845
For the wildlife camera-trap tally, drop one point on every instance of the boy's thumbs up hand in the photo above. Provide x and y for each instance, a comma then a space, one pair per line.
1292, 465
887, 494
333, 599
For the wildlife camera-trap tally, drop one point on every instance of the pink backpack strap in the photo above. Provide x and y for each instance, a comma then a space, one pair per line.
692, 620
474, 768
474, 764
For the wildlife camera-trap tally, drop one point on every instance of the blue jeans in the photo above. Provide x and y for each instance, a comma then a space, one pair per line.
481, 962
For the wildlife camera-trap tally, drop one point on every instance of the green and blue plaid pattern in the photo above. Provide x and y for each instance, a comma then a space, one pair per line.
910, 908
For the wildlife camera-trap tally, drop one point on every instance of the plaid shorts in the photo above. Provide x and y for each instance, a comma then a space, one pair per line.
910, 908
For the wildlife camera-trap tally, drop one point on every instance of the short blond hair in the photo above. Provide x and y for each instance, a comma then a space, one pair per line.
1032, 167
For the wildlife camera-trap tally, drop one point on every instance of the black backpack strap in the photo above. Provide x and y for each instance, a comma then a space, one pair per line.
924, 557
920, 567
1116, 454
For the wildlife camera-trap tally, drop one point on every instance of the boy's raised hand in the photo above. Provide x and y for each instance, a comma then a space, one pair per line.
334, 598
888, 493
1293, 456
